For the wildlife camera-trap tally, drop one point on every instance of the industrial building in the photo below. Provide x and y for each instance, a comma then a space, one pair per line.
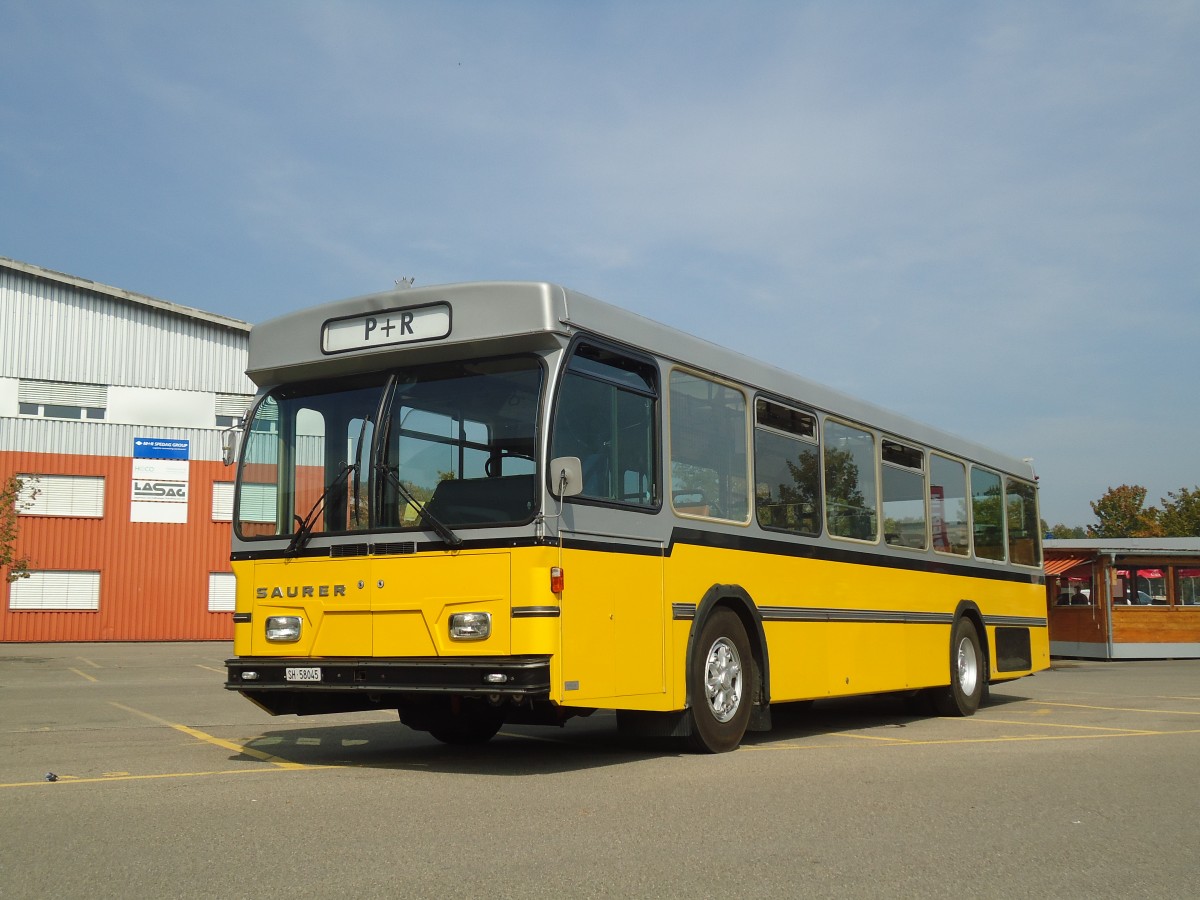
111, 410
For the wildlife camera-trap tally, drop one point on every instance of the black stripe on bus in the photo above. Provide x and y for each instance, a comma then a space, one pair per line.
1017, 621
536, 612
685, 611
696, 537
937, 566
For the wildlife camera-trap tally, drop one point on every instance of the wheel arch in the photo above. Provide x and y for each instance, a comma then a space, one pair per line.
737, 599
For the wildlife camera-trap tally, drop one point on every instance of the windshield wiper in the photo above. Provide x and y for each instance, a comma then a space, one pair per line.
304, 532
441, 529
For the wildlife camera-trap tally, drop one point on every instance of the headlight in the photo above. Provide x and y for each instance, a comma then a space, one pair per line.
283, 629
470, 626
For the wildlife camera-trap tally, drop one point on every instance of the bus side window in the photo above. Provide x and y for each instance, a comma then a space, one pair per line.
709, 462
851, 504
787, 469
987, 515
948, 505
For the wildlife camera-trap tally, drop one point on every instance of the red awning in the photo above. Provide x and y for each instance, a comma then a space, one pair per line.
1064, 563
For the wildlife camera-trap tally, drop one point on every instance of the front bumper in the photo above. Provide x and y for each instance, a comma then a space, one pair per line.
508, 676
350, 684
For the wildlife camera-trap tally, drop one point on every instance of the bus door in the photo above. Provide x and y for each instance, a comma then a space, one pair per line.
612, 619
612, 616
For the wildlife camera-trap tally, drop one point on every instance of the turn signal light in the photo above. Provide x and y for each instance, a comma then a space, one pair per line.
556, 580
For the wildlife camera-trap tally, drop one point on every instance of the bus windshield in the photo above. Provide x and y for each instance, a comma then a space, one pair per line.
431, 447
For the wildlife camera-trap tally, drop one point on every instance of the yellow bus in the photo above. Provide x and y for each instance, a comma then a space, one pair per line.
493, 503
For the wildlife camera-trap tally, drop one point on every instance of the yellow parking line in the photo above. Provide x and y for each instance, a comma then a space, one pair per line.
1167, 712
89, 662
981, 720
84, 675
68, 779
211, 739
877, 737
1054, 737
210, 668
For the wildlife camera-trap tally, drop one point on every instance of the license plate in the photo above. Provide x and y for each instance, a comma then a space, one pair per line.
306, 674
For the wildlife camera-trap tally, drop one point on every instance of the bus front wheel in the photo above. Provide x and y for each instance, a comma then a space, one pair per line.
456, 720
720, 684
968, 673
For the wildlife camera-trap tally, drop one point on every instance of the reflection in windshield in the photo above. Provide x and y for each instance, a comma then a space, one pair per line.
456, 443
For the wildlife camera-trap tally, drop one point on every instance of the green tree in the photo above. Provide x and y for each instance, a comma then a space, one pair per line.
1181, 513
11, 502
1061, 531
1121, 513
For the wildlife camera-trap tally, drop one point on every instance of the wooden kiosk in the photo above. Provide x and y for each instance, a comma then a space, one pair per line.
1124, 598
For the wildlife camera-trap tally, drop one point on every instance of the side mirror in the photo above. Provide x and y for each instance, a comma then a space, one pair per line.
229, 444
566, 476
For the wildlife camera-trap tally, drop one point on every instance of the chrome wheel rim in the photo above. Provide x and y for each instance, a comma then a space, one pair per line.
967, 666
723, 680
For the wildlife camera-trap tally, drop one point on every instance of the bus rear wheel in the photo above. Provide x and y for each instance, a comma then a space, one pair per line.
968, 673
720, 684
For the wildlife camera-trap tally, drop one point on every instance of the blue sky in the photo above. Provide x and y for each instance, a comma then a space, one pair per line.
985, 216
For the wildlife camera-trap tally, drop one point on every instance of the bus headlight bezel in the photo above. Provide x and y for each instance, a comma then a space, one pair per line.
470, 626
283, 629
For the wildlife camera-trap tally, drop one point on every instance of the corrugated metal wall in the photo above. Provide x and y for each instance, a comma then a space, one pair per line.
154, 577
99, 438
55, 331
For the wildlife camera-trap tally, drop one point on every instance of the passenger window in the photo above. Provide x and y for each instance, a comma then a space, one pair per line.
787, 473
606, 416
948, 505
850, 494
1024, 528
903, 473
987, 514
709, 461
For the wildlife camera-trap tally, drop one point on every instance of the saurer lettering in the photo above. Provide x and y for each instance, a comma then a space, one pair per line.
297, 591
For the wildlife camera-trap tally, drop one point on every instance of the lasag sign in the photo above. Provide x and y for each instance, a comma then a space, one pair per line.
160, 480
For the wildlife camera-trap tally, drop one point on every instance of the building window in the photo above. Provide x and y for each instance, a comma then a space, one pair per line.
230, 408
222, 501
1187, 587
61, 400
74, 591
1140, 587
72, 496
222, 591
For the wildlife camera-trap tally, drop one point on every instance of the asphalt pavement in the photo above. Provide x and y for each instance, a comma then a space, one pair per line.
126, 770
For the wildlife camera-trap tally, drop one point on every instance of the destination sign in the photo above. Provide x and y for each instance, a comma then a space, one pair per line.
381, 329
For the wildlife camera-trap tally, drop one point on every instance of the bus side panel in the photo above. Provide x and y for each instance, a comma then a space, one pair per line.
838, 629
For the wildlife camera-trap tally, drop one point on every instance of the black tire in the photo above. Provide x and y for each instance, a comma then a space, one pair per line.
968, 673
720, 682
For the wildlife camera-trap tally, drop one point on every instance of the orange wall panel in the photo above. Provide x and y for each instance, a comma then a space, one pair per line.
153, 576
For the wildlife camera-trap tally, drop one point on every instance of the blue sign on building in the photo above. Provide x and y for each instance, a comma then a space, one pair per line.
161, 448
